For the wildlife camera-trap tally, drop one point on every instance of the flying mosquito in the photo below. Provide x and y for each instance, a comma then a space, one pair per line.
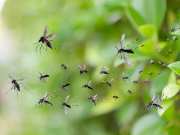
121, 48
93, 98
15, 84
44, 100
66, 105
45, 39
64, 66
104, 71
83, 68
64, 86
155, 102
88, 85
43, 77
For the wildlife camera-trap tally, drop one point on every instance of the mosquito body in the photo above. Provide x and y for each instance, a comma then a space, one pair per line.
64, 86
116, 97
64, 66
129, 91
43, 76
88, 85
44, 100
15, 84
83, 69
93, 98
104, 71
45, 39
66, 105
125, 77
122, 50
154, 103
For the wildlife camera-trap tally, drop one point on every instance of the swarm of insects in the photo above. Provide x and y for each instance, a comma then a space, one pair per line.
45, 39
44, 100
15, 84
43, 77
88, 85
83, 69
155, 102
104, 71
93, 98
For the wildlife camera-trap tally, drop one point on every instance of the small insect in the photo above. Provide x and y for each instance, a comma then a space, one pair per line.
46, 39
64, 66
44, 100
66, 105
83, 69
116, 97
125, 77
93, 98
141, 81
43, 76
108, 82
15, 84
122, 50
129, 91
154, 103
104, 71
88, 85
64, 86
151, 61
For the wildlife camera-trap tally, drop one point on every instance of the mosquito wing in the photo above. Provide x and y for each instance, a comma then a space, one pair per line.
67, 99
45, 31
52, 36
122, 41
66, 110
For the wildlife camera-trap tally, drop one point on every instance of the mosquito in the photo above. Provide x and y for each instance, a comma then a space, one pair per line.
129, 91
125, 77
45, 39
83, 68
155, 102
64, 86
66, 105
88, 85
108, 82
122, 50
64, 66
93, 98
116, 97
44, 100
104, 71
15, 84
43, 77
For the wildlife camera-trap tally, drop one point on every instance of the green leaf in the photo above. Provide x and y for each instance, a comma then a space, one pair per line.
150, 124
151, 11
148, 30
175, 67
171, 89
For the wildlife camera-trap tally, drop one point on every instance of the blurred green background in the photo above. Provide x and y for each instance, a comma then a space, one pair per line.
87, 32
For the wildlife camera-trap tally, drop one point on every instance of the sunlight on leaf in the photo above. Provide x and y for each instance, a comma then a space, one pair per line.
175, 67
